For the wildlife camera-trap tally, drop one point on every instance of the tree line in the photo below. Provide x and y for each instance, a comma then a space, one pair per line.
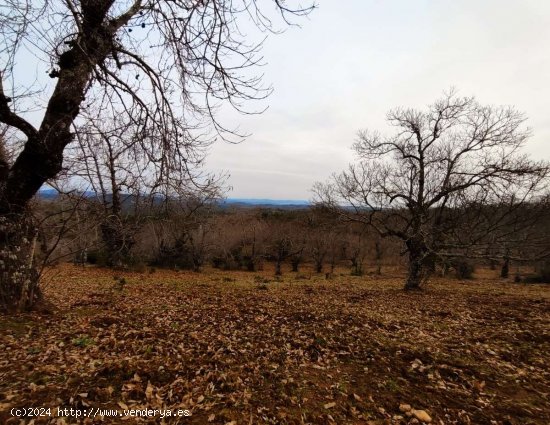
193, 235
200, 234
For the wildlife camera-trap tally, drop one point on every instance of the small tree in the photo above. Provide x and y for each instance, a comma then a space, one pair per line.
447, 178
106, 162
356, 252
281, 245
182, 229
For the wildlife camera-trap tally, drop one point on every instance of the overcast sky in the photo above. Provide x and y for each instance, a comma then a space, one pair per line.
351, 61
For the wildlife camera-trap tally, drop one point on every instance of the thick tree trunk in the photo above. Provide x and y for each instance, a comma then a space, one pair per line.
19, 290
118, 239
40, 159
42, 155
419, 267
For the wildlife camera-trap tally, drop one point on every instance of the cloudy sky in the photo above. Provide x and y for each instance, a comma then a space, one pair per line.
351, 61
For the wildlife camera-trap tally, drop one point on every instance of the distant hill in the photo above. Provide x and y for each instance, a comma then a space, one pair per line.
229, 202
252, 202
47, 193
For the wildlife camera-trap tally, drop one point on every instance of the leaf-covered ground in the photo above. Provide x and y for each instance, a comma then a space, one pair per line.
234, 348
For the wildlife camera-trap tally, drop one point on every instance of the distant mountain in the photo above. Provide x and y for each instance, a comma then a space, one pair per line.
244, 202
267, 202
47, 193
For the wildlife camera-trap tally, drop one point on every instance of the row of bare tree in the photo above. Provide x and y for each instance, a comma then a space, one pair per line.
193, 234
127, 115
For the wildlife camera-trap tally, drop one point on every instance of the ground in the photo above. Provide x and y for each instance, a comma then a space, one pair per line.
245, 348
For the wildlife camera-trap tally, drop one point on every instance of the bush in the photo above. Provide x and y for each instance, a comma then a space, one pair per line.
542, 273
175, 256
218, 262
98, 257
138, 267
464, 269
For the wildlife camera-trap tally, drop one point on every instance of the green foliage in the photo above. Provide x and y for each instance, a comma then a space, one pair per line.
82, 341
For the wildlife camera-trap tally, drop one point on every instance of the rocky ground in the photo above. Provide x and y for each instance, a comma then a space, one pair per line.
244, 348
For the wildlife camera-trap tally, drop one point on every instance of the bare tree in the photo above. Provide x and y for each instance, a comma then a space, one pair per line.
445, 180
183, 229
167, 65
356, 250
112, 171
281, 244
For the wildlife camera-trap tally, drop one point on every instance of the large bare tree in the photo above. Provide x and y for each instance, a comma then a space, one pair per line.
448, 181
167, 65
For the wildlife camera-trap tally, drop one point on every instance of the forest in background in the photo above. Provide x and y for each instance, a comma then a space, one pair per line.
195, 234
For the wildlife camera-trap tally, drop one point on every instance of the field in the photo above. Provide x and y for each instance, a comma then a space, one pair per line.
245, 348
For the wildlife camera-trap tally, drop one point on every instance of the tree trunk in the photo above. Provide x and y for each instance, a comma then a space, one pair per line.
278, 271
295, 262
378, 258
505, 271
19, 289
419, 268
118, 239
319, 267
42, 155
251, 264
